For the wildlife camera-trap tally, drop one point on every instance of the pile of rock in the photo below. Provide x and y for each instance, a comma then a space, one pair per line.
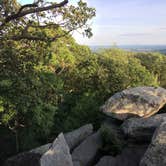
135, 108
76, 148
144, 132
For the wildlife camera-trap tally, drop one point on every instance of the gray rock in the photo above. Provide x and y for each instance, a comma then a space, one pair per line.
58, 154
131, 155
75, 137
156, 152
42, 149
24, 159
107, 161
86, 152
139, 101
76, 163
142, 129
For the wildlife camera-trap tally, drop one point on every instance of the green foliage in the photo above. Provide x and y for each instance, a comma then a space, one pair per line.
86, 110
27, 91
155, 63
56, 19
112, 142
122, 71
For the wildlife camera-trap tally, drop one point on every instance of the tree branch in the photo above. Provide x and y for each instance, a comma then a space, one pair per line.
33, 10
28, 5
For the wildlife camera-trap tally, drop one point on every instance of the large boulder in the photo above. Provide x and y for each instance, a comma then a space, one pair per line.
156, 152
142, 129
58, 154
139, 101
75, 137
107, 161
85, 153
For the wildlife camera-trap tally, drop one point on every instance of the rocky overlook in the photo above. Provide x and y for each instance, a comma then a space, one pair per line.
133, 134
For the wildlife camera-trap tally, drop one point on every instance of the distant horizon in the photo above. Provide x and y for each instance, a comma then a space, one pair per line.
126, 45
134, 48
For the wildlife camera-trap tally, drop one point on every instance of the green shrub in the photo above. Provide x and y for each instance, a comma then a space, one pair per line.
112, 142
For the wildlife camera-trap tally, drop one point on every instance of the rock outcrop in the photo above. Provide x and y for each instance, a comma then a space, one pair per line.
75, 137
58, 154
142, 129
85, 153
72, 138
122, 139
156, 152
70, 141
139, 101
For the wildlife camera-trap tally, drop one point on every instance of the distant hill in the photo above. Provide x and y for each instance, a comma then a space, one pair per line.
134, 48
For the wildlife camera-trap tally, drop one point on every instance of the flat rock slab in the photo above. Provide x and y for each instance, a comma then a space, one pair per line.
75, 137
133, 102
156, 152
58, 154
142, 129
85, 153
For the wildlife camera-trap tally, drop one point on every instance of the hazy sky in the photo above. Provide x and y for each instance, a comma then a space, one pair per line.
126, 22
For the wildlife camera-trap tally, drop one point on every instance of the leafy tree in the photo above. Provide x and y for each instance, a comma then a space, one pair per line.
28, 21
30, 65
122, 71
155, 63
26, 91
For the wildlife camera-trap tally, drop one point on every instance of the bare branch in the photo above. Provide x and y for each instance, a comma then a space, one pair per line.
45, 26
28, 5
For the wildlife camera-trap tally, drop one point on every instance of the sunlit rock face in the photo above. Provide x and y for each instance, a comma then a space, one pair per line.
156, 152
135, 102
58, 154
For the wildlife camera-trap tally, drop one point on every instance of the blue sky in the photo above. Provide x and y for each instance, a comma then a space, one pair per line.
124, 22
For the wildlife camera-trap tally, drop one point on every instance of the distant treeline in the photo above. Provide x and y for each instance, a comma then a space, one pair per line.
133, 48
